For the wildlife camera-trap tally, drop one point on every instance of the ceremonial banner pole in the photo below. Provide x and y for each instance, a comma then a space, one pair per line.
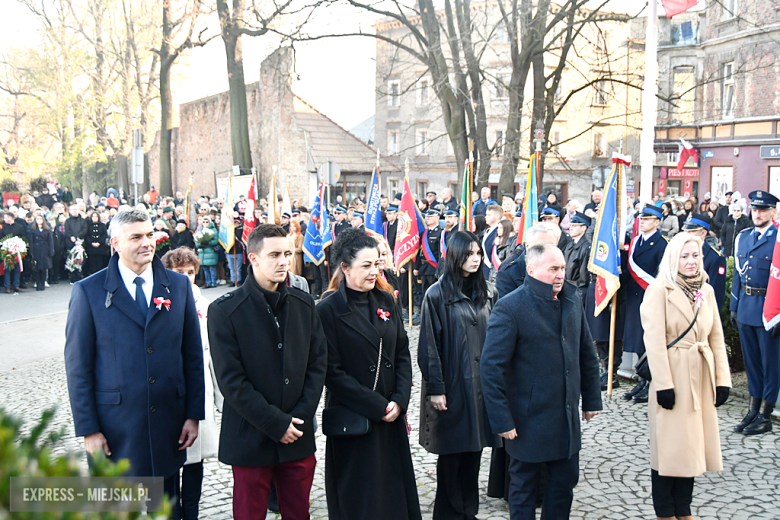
409, 276
611, 346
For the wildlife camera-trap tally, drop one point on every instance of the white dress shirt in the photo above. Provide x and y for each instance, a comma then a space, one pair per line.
128, 276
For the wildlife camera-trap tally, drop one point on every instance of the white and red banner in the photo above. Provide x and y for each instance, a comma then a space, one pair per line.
687, 150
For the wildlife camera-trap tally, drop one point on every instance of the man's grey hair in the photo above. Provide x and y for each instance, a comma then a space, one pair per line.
121, 219
541, 227
534, 254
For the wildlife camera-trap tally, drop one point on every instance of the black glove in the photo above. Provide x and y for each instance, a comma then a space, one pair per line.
721, 395
665, 398
776, 331
734, 319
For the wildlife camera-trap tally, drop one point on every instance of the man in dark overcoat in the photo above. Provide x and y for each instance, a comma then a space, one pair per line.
577, 253
133, 357
270, 358
537, 362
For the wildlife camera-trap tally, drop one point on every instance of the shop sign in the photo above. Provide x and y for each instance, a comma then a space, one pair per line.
685, 172
770, 152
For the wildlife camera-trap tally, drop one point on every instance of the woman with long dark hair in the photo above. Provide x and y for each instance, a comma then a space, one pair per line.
453, 418
368, 462
42, 249
500, 246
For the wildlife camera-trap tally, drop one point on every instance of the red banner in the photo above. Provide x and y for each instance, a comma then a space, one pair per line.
407, 242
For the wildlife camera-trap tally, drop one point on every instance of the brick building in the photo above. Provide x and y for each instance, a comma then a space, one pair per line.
284, 131
719, 70
594, 122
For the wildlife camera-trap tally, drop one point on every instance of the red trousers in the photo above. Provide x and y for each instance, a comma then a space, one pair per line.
292, 480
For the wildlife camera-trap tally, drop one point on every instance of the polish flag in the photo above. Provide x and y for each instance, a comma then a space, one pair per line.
674, 7
686, 150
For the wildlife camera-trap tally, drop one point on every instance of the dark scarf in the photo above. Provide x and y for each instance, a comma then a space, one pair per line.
690, 285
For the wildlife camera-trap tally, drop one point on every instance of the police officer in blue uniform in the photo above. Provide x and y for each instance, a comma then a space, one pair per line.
429, 255
714, 263
753, 251
552, 215
644, 256
341, 222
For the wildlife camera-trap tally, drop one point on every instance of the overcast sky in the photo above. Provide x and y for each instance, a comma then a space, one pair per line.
336, 76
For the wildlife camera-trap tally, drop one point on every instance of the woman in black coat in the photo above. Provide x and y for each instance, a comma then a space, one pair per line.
735, 223
96, 245
453, 418
42, 249
60, 250
369, 475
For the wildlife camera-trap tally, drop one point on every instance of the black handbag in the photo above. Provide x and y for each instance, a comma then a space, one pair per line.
341, 421
642, 367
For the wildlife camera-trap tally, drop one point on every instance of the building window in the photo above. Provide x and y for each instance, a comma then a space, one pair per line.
672, 158
600, 97
729, 9
683, 98
422, 189
559, 91
393, 93
424, 92
501, 34
422, 142
498, 147
502, 85
728, 89
556, 136
599, 144
393, 187
393, 142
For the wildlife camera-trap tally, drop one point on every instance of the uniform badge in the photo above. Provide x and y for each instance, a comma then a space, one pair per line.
721, 270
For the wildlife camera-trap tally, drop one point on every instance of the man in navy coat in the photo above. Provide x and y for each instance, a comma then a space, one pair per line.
133, 357
537, 362
644, 256
753, 252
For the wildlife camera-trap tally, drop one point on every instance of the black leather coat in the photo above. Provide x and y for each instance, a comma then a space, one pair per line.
452, 335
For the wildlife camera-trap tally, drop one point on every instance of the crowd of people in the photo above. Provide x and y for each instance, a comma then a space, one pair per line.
511, 354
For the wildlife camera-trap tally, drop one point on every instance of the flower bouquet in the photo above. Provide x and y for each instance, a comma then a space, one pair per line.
12, 250
204, 236
76, 257
161, 240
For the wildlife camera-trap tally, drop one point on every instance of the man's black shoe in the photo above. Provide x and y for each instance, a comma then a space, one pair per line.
643, 395
762, 423
753, 408
638, 388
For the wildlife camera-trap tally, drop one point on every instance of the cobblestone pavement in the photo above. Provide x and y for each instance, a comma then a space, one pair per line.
615, 473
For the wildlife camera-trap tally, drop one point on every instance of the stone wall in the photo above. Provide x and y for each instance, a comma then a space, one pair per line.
283, 142
200, 146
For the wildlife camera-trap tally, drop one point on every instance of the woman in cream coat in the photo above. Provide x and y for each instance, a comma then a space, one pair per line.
690, 379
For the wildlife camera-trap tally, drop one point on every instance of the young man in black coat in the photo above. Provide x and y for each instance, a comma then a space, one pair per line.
537, 361
270, 358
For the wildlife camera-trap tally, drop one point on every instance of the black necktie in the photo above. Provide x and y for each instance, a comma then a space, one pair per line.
140, 297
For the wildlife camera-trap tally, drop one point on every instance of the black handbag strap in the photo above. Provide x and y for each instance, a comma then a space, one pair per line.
673, 343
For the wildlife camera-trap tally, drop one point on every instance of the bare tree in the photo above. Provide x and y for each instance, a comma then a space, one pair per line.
169, 51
